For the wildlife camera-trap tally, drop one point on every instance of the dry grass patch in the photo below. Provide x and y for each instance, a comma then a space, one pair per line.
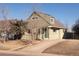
10, 45
17, 44
69, 47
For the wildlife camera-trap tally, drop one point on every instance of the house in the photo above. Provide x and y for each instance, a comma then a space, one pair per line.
43, 26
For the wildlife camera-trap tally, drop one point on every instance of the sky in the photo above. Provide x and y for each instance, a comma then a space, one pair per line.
64, 12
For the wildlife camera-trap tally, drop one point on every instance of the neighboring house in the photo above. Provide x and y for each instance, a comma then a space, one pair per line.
43, 26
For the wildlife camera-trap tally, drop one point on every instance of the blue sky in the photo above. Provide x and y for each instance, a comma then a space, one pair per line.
66, 13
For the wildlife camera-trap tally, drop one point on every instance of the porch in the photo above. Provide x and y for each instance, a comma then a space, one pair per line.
50, 33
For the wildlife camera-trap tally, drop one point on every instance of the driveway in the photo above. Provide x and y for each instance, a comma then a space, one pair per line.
38, 48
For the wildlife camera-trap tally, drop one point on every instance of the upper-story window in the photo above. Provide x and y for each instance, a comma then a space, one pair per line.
52, 19
35, 18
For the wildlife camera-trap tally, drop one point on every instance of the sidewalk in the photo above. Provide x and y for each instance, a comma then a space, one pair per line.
14, 53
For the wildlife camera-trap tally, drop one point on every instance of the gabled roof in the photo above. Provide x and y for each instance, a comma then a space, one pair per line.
47, 17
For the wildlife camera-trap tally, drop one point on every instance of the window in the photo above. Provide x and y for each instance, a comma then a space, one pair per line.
45, 32
29, 31
35, 18
42, 30
38, 31
54, 30
52, 19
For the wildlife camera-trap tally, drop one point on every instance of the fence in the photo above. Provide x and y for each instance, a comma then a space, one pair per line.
70, 35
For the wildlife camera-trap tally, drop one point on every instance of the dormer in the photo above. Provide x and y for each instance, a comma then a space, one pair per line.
51, 20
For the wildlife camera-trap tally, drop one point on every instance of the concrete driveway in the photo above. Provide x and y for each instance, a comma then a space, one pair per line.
38, 48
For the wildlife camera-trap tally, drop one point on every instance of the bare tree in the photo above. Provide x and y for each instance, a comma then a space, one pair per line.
18, 28
76, 27
4, 12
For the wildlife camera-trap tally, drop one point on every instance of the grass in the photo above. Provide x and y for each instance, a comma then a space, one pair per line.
4, 48
15, 45
69, 47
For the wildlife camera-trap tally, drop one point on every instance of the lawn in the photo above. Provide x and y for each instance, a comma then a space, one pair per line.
16, 44
68, 47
